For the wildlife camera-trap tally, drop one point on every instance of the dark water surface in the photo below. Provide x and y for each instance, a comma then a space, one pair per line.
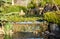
26, 35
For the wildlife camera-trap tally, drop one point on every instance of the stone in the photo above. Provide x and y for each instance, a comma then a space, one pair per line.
22, 13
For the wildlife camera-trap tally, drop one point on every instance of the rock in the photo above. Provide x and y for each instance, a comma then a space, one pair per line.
1, 31
21, 13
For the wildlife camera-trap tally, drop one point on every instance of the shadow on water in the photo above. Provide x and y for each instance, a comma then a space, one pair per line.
21, 35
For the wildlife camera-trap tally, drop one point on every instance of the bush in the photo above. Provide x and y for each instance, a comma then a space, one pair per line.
43, 3
52, 17
8, 9
57, 2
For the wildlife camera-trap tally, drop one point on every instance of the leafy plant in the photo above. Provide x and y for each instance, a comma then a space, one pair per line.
1, 2
52, 17
14, 8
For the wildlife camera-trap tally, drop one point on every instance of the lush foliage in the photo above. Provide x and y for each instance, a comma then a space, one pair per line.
17, 18
57, 2
52, 17
52, 1
1, 3
15, 8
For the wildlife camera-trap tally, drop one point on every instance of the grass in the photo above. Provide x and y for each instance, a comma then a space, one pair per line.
19, 18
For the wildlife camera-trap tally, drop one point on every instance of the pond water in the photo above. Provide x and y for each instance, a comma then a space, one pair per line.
21, 35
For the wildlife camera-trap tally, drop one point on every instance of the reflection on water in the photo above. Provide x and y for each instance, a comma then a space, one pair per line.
21, 35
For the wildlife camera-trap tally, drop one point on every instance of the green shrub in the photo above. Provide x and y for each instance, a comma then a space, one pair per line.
19, 18
57, 2
52, 17
14, 8
43, 3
